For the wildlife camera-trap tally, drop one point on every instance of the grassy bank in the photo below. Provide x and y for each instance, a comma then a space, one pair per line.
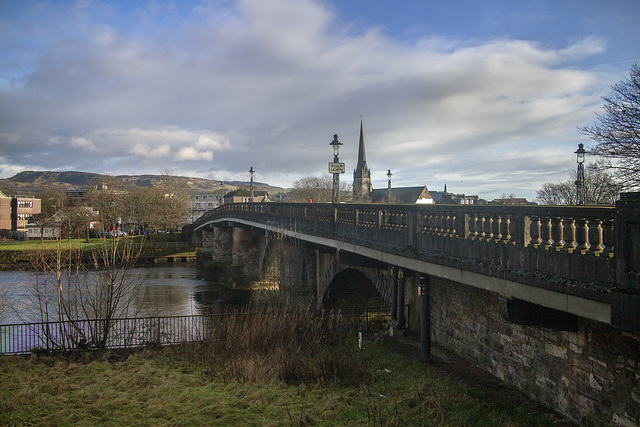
20, 255
152, 387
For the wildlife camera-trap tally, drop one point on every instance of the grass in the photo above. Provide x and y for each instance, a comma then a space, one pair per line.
46, 245
154, 387
275, 366
20, 254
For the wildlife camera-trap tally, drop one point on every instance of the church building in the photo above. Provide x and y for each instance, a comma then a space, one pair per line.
362, 175
363, 191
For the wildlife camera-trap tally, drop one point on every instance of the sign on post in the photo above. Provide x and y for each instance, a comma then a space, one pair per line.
335, 167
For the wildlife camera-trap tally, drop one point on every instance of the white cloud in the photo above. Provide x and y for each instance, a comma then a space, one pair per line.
268, 83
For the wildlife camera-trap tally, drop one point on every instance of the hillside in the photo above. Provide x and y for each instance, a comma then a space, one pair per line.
32, 182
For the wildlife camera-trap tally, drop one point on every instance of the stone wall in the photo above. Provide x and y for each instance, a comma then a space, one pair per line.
589, 372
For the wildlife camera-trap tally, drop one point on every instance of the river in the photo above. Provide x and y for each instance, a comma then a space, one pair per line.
165, 291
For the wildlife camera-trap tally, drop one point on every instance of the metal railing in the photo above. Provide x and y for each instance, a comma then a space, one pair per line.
24, 338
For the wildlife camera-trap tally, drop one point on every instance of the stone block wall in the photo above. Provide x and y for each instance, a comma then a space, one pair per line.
589, 373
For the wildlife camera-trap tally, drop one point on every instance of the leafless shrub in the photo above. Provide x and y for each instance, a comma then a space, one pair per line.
76, 298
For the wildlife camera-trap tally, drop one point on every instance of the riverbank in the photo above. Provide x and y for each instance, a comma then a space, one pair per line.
158, 386
17, 255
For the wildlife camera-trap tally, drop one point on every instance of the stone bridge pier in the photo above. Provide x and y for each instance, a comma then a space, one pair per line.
305, 272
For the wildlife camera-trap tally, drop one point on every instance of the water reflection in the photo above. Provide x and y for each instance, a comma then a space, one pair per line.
165, 291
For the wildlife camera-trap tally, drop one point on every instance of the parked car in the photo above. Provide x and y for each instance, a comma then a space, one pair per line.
117, 233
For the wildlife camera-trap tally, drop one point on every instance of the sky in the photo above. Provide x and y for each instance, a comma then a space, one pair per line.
485, 96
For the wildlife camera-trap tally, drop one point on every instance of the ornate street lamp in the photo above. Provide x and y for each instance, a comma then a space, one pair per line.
389, 186
336, 168
251, 172
580, 174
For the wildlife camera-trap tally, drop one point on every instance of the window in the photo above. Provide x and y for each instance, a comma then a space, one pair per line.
24, 204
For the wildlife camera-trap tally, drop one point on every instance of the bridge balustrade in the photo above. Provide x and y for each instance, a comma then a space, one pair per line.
575, 243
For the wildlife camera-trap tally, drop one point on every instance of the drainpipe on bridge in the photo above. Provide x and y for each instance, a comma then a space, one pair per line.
394, 296
424, 293
400, 301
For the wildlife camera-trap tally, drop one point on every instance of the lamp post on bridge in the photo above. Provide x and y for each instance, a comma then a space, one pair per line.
580, 174
389, 186
336, 168
251, 172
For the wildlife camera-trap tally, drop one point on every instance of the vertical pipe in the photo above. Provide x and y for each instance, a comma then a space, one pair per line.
394, 295
400, 323
425, 318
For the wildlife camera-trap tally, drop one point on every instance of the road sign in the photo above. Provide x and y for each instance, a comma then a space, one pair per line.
336, 167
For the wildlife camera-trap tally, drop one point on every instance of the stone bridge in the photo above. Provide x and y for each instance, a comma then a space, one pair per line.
546, 298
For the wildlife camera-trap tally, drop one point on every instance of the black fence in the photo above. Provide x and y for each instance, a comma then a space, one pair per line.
95, 334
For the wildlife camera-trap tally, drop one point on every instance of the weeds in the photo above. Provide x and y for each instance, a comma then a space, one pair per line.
291, 344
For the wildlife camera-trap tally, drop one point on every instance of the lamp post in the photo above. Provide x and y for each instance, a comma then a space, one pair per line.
251, 172
580, 174
336, 168
389, 186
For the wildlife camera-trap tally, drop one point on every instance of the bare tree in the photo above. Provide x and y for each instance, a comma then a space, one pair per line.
599, 189
176, 200
617, 131
77, 303
316, 189
107, 196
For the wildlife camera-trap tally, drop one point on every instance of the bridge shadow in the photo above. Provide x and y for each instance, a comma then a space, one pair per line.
351, 289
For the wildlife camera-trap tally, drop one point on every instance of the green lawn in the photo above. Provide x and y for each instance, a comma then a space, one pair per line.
159, 387
38, 245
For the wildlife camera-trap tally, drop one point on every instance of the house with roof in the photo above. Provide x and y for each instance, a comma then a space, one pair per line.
402, 195
242, 195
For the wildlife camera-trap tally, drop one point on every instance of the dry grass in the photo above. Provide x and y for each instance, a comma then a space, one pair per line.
283, 366
292, 344
152, 387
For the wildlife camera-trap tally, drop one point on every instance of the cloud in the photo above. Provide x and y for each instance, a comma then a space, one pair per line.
228, 85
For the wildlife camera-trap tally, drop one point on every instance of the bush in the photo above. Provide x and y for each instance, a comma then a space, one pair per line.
285, 343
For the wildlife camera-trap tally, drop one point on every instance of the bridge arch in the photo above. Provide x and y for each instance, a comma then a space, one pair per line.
351, 288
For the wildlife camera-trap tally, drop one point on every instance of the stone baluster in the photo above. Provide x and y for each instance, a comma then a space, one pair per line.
452, 228
437, 218
569, 234
446, 224
488, 226
557, 233
496, 225
480, 226
506, 232
595, 236
472, 224
534, 232
582, 235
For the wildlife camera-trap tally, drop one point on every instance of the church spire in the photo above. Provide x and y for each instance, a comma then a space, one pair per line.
362, 157
362, 174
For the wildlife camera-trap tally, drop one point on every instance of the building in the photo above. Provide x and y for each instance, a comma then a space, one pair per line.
16, 213
363, 191
244, 196
51, 228
403, 195
203, 202
361, 174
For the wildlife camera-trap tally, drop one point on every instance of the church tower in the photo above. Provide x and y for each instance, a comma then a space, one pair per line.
361, 175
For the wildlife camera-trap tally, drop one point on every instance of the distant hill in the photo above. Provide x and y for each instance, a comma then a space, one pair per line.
32, 182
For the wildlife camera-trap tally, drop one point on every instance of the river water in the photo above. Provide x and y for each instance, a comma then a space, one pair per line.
165, 291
